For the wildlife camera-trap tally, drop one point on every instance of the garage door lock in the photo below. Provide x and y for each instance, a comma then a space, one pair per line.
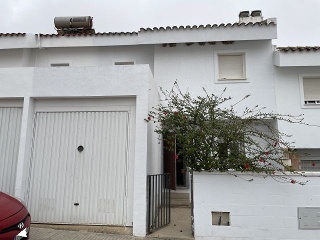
80, 148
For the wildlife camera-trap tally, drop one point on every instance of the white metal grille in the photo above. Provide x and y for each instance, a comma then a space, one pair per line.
79, 187
10, 125
310, 165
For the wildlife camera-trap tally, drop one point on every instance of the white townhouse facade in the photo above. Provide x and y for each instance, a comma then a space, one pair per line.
72, 110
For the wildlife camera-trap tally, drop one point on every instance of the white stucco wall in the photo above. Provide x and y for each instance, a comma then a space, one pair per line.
18, 41
195, 68
290, 101
77, 56
11, 58
83, 82
95, 56
155, 163
88, 40
260, 209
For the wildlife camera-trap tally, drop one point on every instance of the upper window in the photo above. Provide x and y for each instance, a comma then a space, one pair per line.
311, 91
231, 66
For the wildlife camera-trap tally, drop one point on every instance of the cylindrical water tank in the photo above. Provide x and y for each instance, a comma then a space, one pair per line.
73, 22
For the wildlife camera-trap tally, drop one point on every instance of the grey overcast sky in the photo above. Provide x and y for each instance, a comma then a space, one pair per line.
298, 20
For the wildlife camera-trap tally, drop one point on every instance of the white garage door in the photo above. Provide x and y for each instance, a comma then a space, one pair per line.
10, 124
79, 168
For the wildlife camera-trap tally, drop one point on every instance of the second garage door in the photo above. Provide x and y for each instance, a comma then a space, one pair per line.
79, 168
10, 124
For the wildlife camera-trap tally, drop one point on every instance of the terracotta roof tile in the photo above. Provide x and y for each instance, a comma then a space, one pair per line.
298, 49
263, 23
88, 34
12, 34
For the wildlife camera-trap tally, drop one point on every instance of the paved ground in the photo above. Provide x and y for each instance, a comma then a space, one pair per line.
55, 234
178, 229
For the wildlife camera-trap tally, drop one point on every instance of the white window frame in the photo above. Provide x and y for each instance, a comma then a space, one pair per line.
302, 100
242, 79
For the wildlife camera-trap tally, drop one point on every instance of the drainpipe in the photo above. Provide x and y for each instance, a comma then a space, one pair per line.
192, 203
37, 51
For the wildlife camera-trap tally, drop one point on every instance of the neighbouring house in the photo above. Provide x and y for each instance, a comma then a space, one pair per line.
75, 146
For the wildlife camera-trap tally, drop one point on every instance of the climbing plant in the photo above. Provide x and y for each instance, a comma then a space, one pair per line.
213, 136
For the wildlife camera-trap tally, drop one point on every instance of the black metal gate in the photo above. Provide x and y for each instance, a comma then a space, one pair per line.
158, 201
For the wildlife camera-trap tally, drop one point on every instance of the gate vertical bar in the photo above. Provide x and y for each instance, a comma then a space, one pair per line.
168, 198
149, 202
158, 187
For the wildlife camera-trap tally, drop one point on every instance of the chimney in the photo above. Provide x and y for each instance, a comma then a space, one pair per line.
255, 16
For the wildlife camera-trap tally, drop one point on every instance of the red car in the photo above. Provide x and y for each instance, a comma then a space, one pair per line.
14, 219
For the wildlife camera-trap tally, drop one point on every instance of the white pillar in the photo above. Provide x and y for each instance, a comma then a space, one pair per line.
140, 169
24, 149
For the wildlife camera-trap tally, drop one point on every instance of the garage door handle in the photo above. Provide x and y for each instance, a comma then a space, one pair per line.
76, 204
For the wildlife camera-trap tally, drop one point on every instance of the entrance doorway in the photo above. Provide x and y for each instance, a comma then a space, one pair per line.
174, 164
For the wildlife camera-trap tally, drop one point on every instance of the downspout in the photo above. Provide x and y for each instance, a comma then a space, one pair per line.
27, 195
39, 41
192, 203
37, 51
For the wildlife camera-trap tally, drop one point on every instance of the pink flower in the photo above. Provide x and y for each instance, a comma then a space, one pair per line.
267, 153
293, 181
313, 164
176, 156
246, 166
149, 118
261, 159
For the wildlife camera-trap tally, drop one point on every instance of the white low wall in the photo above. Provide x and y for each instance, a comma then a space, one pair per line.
260, 209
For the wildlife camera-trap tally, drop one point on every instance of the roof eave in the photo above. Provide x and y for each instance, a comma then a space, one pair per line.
207, 34
297, 58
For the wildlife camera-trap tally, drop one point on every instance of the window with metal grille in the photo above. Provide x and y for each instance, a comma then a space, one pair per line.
231, 66
309, 159
311, 91
310, 165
